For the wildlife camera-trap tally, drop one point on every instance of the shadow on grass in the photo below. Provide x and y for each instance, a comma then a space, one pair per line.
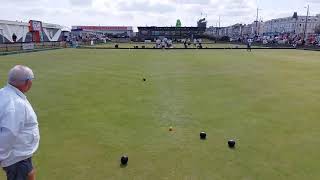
123, 165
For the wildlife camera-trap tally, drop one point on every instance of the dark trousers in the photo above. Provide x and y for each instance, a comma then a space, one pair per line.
248, 47
20, 170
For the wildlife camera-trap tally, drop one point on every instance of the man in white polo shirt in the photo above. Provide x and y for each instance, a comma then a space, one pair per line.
19, 132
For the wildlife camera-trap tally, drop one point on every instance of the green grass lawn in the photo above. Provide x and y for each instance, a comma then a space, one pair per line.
93, 107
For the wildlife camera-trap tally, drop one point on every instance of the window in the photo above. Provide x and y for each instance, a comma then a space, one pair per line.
144, 32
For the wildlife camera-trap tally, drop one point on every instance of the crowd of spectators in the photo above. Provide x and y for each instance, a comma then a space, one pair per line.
284, 39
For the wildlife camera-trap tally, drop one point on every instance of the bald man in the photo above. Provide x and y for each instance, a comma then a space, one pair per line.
19, 131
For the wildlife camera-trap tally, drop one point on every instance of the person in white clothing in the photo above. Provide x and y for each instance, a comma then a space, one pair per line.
19, 131
158, 43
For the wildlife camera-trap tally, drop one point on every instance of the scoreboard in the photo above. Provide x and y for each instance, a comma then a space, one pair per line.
35, 25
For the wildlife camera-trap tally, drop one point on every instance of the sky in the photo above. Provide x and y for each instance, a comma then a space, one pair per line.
151, 12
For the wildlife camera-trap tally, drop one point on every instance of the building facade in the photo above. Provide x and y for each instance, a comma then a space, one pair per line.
174, 33
237, 30
33, 31
111, 31
295, 25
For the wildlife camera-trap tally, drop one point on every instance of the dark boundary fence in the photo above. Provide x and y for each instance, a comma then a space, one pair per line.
205, 45
16, 48
309, 48
218, 48
27, 47
26, 51
255, 46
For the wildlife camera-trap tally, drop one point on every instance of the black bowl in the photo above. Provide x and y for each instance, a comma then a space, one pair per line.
231, 143
124, 160
203, 135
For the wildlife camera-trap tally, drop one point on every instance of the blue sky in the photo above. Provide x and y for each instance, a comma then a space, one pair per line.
150, 12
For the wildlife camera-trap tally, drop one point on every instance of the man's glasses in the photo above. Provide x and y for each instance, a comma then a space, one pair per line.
27, 79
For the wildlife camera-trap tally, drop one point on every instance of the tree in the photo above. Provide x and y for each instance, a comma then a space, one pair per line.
178, 24
317, 29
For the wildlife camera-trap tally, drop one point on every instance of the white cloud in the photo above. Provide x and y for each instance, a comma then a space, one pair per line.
205, 2
145, 6
81, 2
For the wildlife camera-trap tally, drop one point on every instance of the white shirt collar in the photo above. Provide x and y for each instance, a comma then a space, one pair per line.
17, 91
